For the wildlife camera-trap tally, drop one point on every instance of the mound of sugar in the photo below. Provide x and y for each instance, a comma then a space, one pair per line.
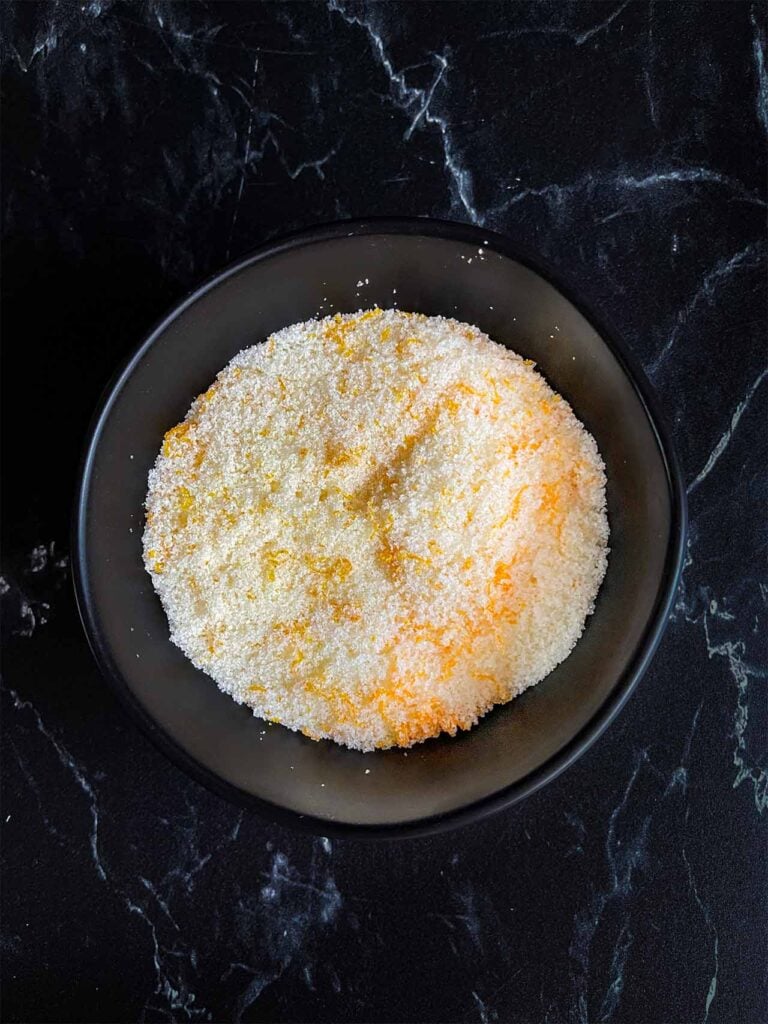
374, 527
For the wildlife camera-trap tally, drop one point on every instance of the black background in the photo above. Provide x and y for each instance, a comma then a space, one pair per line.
146, 145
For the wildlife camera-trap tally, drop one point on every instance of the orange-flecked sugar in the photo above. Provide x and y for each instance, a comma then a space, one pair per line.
374, 527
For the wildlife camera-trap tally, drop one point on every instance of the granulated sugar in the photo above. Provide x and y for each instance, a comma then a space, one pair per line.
374, 527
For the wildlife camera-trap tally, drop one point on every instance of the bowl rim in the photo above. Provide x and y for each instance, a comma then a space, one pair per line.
626, 682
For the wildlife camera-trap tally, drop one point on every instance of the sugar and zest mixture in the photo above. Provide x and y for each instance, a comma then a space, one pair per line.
374, 527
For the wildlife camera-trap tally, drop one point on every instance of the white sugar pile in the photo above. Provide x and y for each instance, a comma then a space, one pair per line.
374, 527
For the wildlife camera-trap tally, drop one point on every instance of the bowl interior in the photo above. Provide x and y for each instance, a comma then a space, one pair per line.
421, 272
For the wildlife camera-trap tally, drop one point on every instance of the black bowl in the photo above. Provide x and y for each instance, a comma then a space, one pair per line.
433, 268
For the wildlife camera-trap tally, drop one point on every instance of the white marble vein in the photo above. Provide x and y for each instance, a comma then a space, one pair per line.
582, 37
33, 785
173, 961
422, 111
623, 857
315, 165
246, 155
605, 184
43, 47
178, 998
651, 98
625, 854
77, 772
482, 1010
705, 912
190, 859
747, 258
734, 651
700, 607
416, 102
578, 38
252, 990
171, 988
282, 876
649, 71
576, 822
686, 176
615, 987
761, 72
727, 435
150, 887
274, 922
469, 917
680, 774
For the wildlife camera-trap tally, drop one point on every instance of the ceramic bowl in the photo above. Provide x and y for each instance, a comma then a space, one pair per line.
433, 268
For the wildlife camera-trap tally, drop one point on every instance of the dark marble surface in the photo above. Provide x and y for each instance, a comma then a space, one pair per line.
145, 145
